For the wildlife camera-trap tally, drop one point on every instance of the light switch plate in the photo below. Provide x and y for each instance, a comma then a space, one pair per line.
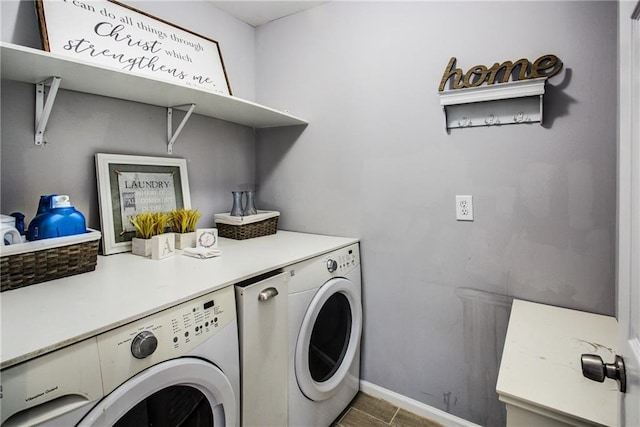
464, 208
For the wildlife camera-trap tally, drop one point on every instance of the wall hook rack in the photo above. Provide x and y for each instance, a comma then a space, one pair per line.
171, 137
500, 104
44, 106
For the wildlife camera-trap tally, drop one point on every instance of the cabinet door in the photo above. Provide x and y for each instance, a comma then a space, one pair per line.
263, 329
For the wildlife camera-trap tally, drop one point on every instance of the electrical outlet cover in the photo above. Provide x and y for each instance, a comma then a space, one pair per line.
464, 208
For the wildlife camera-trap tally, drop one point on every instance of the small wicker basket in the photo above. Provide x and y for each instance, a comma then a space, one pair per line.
241, 228
39, 261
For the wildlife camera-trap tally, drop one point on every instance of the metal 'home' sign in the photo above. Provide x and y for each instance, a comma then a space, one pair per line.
545, 66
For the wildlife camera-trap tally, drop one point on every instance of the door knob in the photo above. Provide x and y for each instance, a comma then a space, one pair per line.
594, 368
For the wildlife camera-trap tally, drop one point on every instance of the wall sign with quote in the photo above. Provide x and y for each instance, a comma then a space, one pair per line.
115, 35
505, 93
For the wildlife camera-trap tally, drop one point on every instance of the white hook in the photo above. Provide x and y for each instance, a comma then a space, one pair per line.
491, 120
520, 117
464, 122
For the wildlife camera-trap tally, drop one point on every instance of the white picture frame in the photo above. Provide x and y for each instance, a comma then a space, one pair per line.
112, 34
129, 185
207, 238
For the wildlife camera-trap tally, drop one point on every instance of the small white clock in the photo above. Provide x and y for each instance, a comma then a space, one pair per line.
207, 237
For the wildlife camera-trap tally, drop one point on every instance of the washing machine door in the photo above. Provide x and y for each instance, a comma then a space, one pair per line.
187, 392
328, 339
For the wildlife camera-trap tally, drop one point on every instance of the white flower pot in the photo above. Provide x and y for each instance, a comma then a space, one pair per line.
140, 246
185, 240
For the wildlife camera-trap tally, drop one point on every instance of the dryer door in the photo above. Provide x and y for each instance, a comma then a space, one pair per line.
186, 392
328, 340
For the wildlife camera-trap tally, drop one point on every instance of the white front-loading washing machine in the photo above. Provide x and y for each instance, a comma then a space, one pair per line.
325, 325
177, 367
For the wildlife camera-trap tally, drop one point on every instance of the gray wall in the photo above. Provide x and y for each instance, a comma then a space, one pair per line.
220, 155
376, 163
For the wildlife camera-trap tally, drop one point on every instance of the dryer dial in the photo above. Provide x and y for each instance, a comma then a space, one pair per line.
332, 265
143, 345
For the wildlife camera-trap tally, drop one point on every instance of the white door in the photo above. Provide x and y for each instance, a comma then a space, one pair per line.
629, 208
263, 328
328, 339
183, 391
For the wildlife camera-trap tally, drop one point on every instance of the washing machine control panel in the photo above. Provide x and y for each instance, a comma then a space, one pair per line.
171, 333
144, 344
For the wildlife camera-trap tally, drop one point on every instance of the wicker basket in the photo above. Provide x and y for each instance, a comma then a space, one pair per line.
43, 260
246, 230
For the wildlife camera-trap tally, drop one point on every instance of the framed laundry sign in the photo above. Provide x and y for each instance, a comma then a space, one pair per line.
112, 34
130, 185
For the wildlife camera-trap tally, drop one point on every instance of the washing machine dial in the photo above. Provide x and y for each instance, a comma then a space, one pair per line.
143, 345
332, 265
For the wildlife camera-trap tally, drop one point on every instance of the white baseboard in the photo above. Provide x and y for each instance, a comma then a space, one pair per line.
414, 406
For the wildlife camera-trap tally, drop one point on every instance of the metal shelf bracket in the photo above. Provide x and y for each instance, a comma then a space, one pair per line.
171, 137
43, 107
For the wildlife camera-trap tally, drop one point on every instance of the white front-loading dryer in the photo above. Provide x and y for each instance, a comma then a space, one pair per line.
325, 325
179, 366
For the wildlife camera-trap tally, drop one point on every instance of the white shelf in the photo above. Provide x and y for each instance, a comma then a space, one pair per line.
499, 104
29, 65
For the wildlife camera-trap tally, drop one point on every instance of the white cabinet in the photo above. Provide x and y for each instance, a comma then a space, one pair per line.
540, 378
263, 328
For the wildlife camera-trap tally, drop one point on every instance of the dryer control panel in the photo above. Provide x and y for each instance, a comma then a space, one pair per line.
343, 261
170, 333
315, 271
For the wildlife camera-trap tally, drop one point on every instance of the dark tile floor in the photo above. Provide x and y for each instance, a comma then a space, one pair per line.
369, 411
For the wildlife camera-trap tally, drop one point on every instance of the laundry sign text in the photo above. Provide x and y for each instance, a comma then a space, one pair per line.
522, 69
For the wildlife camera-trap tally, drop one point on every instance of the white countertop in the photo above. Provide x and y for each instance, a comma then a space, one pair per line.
541, 370
40, 318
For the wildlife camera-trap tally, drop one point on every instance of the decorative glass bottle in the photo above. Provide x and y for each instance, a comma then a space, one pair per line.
250, 208
236, 209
